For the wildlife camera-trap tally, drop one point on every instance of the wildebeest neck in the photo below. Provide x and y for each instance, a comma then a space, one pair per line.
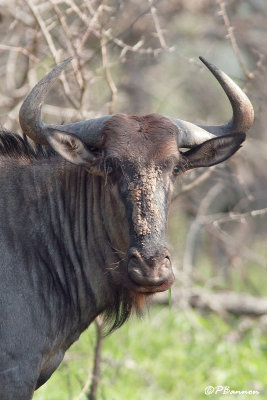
55, 214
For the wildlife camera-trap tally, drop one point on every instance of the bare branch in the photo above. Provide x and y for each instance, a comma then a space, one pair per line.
35, 11
231, 216
22, 50
92, 395
93, 26
106, 66
223, 302
213, 223
193, 231
197, 182
231, 36
85, 388
155, 18
72, 49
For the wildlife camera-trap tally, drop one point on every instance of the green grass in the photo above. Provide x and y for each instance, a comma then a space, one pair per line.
170, 354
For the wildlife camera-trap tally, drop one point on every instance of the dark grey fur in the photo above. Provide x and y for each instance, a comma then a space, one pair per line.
49, 211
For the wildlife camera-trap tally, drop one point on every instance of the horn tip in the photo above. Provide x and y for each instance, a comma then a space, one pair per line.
62, 65
68, 60
52, 75
206, 62
213, 69
65, 62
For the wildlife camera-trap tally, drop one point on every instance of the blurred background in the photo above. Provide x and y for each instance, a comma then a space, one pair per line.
138, 57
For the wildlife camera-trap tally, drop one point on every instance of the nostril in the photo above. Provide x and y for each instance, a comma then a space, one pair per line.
133, 253
133, 258
136, 275
167, 262
134, 265
164, 270
149, 271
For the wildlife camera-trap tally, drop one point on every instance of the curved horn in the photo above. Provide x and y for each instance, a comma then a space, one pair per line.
242, 119
30, 114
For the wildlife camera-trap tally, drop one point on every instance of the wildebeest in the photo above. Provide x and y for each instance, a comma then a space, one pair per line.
83, 222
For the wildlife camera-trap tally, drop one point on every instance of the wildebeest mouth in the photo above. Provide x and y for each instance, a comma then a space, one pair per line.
148, 290
149, 275
151, 289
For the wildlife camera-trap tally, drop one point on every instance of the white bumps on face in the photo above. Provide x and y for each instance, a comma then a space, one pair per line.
143, 188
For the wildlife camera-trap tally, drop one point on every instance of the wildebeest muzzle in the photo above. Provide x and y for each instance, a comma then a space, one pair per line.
150, 274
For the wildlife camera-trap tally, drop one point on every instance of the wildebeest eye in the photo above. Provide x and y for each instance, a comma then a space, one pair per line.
94, 150
176, 170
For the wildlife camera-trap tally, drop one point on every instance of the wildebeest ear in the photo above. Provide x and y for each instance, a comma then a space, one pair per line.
213, 151
70, 147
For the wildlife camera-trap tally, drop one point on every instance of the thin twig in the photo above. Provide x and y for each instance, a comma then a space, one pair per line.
228, 239
22, 50
77, 11
213, 222
231, 36
231, 216
70, 42
258, 67
192, 185
155, 18
35, 11
92, 395
85, 388
93, 26
194, 229
106, 65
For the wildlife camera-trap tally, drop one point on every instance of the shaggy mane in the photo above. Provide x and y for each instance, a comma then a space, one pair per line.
124, 305
125, 302
14, 146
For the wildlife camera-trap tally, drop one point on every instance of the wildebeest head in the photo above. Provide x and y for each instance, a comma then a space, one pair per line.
141, 154
139, 158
